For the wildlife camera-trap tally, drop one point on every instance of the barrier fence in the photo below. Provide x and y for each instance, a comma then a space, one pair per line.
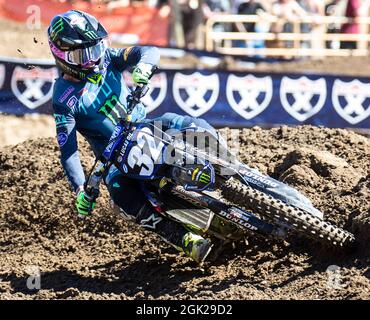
224, 33
276, 42
223, 98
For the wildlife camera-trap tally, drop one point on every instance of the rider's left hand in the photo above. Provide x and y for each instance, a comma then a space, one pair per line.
84, 204
141, 73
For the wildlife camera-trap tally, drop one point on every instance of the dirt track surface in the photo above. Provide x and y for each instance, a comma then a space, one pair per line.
104, 257
16, 129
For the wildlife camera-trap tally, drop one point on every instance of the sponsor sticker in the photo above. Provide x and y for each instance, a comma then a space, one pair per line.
126, 53
151, 222
78, 21
66, 94
62, 138
72, 101
60, 119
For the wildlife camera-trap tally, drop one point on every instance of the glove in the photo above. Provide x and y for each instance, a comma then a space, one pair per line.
141, 73
84, 204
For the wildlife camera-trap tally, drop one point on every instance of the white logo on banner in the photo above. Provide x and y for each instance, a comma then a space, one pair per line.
303, 91
195, 93
2, 75
33, 87
250, 89
157, 90
352, 105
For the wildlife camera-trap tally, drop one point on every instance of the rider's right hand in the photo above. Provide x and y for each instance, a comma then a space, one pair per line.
142, 73
84, 204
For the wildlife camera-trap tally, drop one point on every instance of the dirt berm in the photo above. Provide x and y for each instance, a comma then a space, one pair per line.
103, 257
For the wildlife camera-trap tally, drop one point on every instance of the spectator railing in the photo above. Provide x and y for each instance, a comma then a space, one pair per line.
275, 42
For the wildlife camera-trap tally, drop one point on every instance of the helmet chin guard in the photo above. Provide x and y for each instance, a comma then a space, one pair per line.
93, 75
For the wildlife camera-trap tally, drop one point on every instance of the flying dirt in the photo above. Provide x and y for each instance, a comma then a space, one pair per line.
105, 257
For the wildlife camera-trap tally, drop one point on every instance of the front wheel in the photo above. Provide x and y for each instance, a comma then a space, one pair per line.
296, 219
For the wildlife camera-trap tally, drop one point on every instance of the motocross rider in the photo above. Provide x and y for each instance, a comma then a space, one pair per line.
89, 97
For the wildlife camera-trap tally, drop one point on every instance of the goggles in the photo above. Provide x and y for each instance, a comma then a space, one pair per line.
86, 57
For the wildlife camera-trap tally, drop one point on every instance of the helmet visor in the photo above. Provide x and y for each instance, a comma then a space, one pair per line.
87, 57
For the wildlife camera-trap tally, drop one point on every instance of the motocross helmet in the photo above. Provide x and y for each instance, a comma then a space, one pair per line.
78, 43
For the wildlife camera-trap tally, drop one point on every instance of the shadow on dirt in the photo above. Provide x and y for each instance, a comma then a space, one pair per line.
156, 276
147, 274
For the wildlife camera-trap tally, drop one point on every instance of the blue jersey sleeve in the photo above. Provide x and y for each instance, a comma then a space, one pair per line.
67, 140
131, 56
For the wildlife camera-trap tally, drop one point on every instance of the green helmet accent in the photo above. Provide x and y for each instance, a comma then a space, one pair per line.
56, 28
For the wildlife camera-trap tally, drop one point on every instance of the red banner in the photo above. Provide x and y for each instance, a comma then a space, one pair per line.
145, 22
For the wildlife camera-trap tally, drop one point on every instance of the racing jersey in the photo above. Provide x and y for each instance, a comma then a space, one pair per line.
93, 110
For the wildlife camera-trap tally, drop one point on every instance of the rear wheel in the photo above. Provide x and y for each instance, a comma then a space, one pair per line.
273, 209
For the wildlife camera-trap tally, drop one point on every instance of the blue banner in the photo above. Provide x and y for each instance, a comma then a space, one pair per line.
223, 98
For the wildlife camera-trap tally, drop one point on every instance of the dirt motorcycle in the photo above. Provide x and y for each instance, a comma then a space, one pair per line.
191, 177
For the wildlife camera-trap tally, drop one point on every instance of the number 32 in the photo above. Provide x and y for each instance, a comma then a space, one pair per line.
141, 159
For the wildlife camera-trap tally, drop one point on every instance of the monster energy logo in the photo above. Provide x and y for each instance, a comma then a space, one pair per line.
56, 28
109, 109
91, 34
96, 78
204, 178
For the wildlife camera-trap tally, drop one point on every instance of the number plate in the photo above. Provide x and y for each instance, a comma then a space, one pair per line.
140, 156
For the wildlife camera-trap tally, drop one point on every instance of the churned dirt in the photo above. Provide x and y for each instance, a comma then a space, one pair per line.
104, 257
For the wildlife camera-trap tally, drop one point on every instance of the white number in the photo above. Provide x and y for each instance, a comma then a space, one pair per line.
146, 135
137, 157
141, 159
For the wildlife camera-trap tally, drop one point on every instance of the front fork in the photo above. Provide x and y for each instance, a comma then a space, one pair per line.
92, 184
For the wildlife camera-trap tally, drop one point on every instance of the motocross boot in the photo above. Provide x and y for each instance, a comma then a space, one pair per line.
196, 247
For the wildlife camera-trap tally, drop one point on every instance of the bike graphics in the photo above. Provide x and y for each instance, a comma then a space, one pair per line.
216, 196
